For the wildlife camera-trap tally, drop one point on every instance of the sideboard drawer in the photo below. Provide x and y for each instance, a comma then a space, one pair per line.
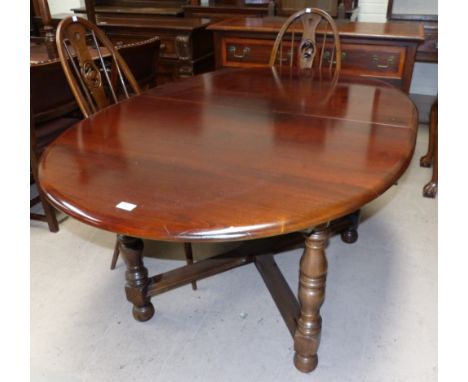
357, 59
373, 60
238, 52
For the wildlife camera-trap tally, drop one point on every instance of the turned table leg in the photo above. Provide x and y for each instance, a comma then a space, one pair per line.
136, 276
312, 277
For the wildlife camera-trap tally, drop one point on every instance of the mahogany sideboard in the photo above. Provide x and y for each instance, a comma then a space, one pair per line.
381, 50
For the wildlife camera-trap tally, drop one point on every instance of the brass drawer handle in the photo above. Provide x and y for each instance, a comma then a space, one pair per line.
327, 54
376, 60
232, 51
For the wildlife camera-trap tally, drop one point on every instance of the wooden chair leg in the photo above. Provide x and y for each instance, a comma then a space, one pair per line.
189, 259
430, 189
50, 214
115, 256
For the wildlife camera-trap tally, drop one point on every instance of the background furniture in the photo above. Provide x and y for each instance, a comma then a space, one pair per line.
142, 58
407, 11
381, 50
242, 154
131, 8
188, 46
428, 50
214, 8
52, 110
217, 10
432, 155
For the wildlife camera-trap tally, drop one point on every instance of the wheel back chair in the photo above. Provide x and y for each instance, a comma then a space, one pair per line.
314, 46
53, 109
308, 45
99, 76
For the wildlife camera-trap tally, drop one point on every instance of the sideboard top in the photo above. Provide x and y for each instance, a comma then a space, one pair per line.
391, 29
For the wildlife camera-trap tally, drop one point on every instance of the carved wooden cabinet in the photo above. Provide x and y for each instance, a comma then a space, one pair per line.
381, 50
133, 8
187, 46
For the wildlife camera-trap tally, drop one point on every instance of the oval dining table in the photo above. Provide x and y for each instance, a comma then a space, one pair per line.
234, 155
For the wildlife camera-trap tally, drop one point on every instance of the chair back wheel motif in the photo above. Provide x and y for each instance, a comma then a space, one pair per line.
88, 58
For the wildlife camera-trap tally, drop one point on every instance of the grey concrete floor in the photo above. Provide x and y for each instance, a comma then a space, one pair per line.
379, 316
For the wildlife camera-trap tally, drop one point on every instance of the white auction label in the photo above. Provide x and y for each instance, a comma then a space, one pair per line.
126, 206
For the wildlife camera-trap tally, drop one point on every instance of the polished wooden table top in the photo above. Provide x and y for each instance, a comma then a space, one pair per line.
231, 155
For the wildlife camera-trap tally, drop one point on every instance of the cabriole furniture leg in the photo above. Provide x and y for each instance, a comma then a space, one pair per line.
136, 277
430, 189
312, 277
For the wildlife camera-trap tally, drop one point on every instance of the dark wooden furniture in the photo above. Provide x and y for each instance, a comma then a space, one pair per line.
41, 51
95, 9
427, 51
224, 11
91, 80
236, 154
381, 50
52, 110
188, 46
432, 155
309, 50
288, 7
142, 58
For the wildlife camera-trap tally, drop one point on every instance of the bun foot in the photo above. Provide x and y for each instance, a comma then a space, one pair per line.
349, 236
425, 161
430, 190
143, 313
305, 364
